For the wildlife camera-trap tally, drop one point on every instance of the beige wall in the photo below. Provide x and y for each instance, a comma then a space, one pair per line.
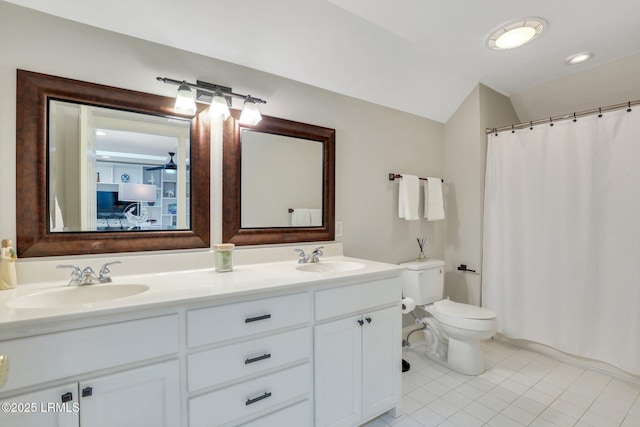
371, 141
465, 156
609, 84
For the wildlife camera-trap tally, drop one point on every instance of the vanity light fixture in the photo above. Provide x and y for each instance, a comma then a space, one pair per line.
515, 33
218, 97
185, 103
250, 114
578, 58
219, 106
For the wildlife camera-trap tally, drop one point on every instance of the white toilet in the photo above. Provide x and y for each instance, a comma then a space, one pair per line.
454, 330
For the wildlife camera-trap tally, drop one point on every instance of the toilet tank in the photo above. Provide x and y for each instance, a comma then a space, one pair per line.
423, 281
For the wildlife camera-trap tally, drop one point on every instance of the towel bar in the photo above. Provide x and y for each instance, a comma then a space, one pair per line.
393, 176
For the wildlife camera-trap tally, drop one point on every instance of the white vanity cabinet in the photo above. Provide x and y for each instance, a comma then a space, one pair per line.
142, 397
55, 406
357, 352
311, 350
114, 379
250, 362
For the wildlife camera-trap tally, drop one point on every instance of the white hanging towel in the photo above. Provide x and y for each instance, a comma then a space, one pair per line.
433, 200
316, 217
408, 197
301, 217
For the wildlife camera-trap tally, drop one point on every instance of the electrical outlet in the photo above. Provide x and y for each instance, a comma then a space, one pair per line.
338, 229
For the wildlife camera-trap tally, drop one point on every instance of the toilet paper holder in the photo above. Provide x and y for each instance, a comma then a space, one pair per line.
463, 267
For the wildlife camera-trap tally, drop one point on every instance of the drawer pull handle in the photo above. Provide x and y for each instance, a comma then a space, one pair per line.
67, 397
87, 392
257, 399
257, 359
361, 322
368, 319
255, 319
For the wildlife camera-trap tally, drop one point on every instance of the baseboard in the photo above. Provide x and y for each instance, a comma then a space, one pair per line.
571, 359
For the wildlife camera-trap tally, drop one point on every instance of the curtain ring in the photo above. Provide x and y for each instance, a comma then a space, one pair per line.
600, 111
629, 109
574, 118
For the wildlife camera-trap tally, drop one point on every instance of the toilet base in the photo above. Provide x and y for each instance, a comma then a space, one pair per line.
465, 357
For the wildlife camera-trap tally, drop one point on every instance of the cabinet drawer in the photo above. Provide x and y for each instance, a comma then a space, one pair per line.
215, 324
247, 358
295, 415
43, 358
354, 298
244, 399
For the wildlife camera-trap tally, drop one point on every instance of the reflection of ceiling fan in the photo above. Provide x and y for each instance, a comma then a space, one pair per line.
171, 166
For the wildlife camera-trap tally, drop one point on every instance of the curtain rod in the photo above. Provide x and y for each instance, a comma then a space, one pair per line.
572, 116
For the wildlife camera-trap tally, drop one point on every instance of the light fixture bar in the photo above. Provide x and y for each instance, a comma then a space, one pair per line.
210, 88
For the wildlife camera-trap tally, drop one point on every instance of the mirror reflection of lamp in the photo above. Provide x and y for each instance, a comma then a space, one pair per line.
136, 213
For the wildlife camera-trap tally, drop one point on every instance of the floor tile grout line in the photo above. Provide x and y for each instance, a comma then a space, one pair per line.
560, 368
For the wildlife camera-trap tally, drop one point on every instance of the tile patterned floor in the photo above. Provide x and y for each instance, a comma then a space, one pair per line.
519, 388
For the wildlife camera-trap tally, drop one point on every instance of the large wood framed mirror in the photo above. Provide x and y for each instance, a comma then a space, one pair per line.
278, 182
101, 169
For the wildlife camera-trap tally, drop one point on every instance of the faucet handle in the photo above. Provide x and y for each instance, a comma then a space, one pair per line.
104, 272
303, 257
317, 251
75, 274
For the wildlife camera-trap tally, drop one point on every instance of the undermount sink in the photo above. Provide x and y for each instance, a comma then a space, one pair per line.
77, 295
330, 266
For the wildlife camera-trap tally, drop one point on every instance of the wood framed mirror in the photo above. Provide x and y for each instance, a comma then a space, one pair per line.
37, 234
278, 182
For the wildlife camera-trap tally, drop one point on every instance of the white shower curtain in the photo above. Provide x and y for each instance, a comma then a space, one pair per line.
562, 236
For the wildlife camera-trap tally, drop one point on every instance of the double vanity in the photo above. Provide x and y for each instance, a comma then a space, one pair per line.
272, 344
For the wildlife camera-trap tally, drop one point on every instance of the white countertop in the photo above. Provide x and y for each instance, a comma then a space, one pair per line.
191, 286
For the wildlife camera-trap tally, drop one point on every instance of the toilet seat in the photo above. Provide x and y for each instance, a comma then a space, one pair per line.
462, 311
462, 316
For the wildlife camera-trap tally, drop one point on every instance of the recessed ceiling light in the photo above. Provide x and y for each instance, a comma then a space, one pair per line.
515, 34
578, 58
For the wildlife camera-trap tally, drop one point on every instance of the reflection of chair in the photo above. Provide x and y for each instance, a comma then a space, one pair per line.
136, 213
169, 193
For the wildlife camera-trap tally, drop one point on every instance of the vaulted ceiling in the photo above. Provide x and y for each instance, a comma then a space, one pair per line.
418, 56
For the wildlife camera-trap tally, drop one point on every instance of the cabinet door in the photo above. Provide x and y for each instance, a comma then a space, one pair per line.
143, 397
381, 356
338, 373
42, 408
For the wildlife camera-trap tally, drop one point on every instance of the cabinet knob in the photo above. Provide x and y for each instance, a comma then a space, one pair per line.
368, 319
67, 397
361, 322
87, 392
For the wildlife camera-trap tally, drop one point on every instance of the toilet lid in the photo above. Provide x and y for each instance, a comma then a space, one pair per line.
464, 311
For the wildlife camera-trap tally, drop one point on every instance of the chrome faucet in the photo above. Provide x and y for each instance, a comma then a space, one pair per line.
313, 257
76, 274
88, 276
103, 276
